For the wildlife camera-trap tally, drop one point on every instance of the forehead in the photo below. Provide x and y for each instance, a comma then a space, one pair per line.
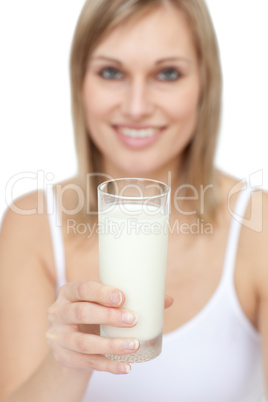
161, 32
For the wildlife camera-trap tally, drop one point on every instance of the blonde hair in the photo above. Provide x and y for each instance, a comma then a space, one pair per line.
97, 19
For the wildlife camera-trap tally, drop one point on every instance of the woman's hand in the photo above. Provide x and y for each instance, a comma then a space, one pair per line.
74, 332
75, 320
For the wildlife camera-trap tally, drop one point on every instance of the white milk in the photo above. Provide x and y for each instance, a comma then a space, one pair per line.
133, 257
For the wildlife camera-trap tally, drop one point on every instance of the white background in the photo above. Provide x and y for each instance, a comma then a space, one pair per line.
35, 119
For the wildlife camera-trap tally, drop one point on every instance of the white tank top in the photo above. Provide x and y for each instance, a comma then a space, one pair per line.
214, 357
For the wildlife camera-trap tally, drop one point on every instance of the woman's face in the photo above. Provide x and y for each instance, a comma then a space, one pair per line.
141, 94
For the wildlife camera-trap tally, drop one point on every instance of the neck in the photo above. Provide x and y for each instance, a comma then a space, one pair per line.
169, 174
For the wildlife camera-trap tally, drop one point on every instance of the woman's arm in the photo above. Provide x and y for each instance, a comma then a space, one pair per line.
262, 284
31, 370
26, 291
52, 382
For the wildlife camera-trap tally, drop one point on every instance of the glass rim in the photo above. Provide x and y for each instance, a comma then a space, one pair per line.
122, 197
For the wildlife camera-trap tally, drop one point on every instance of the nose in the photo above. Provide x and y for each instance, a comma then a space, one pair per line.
137, 103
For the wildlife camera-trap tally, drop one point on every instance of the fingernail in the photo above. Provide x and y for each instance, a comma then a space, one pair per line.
129, 318
116, 298
131, 345
124, 368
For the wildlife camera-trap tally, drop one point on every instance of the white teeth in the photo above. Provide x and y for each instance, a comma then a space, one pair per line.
142, 133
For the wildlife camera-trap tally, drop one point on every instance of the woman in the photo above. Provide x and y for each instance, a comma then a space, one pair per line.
146, 89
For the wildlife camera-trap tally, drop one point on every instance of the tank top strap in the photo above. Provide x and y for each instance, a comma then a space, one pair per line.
56, 236
234, 232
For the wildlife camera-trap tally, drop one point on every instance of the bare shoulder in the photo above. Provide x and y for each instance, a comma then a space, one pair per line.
259, 238
25, 233
22, 217
254, 222
26, 224
253, 243
230, 188
27, 288
252, 258
254, 229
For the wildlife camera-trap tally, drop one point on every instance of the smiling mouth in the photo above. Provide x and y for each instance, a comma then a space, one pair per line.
139, 133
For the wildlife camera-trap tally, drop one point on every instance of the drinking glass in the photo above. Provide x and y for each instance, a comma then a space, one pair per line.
133, 237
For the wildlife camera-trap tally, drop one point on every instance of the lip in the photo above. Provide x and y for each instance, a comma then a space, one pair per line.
138, 126
137, 143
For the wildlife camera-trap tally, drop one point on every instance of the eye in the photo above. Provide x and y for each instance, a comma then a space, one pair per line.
110, 73
169, 74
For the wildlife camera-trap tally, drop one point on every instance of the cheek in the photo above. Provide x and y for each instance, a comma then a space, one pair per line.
186, 105
183, 113
97, 102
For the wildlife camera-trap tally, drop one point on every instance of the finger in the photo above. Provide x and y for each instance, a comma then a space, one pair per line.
91, 313
93, 344
91, 291
168, 301
76, 360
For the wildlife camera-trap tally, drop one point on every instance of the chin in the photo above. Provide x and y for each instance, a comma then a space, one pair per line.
138, 170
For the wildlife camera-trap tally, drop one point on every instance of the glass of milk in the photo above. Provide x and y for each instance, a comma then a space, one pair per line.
133, 237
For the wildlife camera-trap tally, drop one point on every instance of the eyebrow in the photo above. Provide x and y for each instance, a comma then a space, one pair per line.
160, 61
